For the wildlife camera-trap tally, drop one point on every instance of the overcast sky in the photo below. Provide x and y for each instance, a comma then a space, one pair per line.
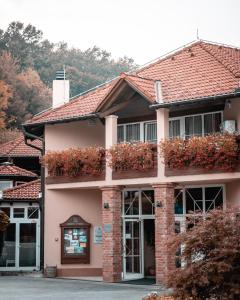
141, 29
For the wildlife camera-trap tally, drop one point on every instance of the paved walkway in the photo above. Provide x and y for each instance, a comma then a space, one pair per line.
20, 287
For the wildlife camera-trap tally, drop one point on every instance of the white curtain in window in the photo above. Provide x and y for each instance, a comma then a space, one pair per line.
132, 132
174, 128
151, 132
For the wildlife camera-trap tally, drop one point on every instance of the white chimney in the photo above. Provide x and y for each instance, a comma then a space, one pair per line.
158, 91
60, 89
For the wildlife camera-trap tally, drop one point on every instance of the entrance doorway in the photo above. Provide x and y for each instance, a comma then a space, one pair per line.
138, 234
21, 240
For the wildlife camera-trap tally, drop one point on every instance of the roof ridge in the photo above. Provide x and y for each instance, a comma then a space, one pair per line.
137, 76
22, 185
218, 60
220, 44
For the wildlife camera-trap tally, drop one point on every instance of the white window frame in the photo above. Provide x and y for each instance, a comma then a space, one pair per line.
182, 121
142, 129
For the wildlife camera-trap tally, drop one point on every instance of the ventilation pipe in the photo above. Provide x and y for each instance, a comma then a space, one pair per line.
60, 89
158, 91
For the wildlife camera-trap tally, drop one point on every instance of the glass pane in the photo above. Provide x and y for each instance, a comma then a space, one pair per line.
27, 245
178, 196
214, 198
198, 125
131, 203
18, 212
75, 241
148, 203
5, 185
129, 264
194, 200
151, 132
136, 264
120, 133
188, 127
208, 124
174, 128
33, 212
7, 246
133, 133
217, 120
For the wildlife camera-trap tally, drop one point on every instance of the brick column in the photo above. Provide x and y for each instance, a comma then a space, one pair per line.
164, 229
112, 256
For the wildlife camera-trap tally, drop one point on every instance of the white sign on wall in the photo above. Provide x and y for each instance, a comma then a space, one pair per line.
97, 235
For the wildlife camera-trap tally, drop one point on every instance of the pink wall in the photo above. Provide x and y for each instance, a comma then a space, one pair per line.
74, 134
233, 113
233, 193
59, 206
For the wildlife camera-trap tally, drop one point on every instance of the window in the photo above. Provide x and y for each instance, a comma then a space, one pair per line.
136, 132
18, 212
5, 185
33, 212
195, 125
174, 128
150, 132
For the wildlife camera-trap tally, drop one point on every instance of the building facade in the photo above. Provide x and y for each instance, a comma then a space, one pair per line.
20, 199
117, 223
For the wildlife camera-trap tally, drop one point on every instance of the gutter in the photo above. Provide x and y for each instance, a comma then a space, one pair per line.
67, 120
194, 100
42, 200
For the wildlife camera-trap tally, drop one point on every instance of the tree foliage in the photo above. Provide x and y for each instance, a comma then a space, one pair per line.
211, 252
28, 64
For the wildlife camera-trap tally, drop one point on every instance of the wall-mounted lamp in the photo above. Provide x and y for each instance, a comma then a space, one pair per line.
106, 205
159, 204
228, 104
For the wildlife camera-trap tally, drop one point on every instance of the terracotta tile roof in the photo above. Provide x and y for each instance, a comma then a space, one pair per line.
144, 85
18, 148
80, 106
12, 170
24, 191
201, 69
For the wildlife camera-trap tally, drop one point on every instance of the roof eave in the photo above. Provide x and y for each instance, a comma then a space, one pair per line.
194, 100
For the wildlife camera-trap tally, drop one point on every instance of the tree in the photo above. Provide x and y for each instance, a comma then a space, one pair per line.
5, 94
211, 252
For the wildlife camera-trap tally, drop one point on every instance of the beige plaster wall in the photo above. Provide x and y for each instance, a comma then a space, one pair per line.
59, 206
233, 194
233, 113
74, 134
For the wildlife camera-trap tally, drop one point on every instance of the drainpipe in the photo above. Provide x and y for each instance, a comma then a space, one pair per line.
42, 200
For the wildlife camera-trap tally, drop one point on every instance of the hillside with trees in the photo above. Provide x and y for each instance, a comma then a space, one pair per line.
28, 64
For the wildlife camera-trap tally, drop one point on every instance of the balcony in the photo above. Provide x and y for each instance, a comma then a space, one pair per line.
89, 164
75, 165
216, 153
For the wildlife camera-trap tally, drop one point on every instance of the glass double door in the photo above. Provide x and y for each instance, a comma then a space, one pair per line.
20, 247
133, 261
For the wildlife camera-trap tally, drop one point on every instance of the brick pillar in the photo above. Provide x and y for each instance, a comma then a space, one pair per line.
164, 229
111, 217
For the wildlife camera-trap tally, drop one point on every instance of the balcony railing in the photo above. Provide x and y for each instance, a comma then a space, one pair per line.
127, 160
210, 154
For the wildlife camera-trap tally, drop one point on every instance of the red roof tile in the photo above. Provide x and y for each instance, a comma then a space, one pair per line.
12, 170
201, 69
24, 191
80, 106
18, 148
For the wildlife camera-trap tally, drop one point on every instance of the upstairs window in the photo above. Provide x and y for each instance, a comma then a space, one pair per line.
195, 125
138, 132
